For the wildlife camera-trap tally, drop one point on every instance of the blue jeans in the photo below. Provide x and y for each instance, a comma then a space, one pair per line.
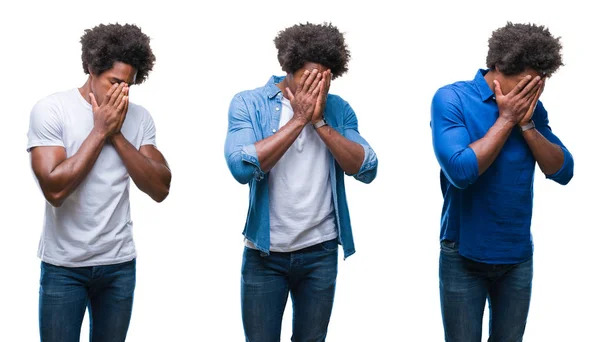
65, 292
309, 275
466, 284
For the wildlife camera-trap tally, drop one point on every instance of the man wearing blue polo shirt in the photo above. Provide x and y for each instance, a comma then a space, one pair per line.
488, 135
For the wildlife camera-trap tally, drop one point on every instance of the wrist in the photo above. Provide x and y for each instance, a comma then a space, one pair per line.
319, 123
300, 120
315, 120
526, 126
504, 122
99, 133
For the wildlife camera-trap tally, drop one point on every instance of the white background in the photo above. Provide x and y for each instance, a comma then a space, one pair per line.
190, 246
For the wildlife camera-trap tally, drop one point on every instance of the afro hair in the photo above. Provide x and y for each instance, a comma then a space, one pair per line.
321, 44
515, 47
104, 45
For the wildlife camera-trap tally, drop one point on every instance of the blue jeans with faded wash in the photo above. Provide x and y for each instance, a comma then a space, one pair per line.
308, 275
465, 285
65, 293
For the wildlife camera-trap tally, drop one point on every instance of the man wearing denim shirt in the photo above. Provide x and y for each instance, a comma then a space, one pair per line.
292, 142
488, 135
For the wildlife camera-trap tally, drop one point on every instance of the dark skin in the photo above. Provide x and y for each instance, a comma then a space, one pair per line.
307, 91
516, 96
108, 93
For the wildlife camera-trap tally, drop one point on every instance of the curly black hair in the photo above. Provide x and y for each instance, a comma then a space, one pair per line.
104, 45
515, 47
322, 44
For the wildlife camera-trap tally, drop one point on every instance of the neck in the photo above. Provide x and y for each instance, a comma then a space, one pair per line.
85, 90
491, 76
285, 84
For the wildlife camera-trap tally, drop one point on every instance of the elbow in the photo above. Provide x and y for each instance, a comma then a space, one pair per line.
162, 192
564, 178
368, 170
462, 169
161, 196
368, 176
244, 172
56, 199
460, 180
241, 177
459, 183
564, 175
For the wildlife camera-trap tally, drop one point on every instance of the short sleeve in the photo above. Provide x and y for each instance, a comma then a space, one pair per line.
45, 125
149, 130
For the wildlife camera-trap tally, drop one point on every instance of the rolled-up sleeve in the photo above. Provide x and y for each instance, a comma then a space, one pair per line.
565, 173
451, 139
368, 169
240, 152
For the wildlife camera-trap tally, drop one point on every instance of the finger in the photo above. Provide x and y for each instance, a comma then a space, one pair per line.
519, 87
531, 87
94, 103
303, 80
309, 81
111, 91
497, 89
289, 94
316, 83
115, 95
318, 89
533, 92
124, 114
122, 103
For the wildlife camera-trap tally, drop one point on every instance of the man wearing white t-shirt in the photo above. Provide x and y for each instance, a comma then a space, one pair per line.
84, 144
292, 142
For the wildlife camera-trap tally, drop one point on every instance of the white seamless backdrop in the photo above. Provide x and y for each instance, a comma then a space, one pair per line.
190, 246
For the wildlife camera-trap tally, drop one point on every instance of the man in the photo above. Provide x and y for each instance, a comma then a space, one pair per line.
292, 142
85, 144
488, 135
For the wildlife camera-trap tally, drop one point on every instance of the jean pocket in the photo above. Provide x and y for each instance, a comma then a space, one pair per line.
448, 247
329, 246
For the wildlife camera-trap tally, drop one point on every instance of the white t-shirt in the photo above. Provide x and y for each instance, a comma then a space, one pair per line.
93, 225
300, 197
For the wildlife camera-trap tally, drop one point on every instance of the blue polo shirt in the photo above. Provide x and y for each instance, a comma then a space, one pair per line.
489, 215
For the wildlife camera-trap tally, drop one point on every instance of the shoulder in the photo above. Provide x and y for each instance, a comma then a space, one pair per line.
138, 112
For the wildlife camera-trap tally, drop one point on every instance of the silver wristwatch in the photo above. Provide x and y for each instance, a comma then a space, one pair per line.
320, 124
528, 126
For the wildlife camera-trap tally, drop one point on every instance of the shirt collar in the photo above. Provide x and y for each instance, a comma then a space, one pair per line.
271, 87
482, 86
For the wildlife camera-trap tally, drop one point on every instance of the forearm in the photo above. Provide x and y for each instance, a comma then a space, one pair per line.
488, 148
57, 184
348, 154
150, 176
271, 149
549, 156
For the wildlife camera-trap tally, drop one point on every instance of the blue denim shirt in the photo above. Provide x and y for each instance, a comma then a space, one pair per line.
253, 116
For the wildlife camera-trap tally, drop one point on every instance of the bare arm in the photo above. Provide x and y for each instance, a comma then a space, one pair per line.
512, 108
348, 154
58, 175
271, 149
147, 167
549, 156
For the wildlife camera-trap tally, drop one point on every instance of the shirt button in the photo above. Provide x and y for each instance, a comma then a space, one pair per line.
276, 108
274, 130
